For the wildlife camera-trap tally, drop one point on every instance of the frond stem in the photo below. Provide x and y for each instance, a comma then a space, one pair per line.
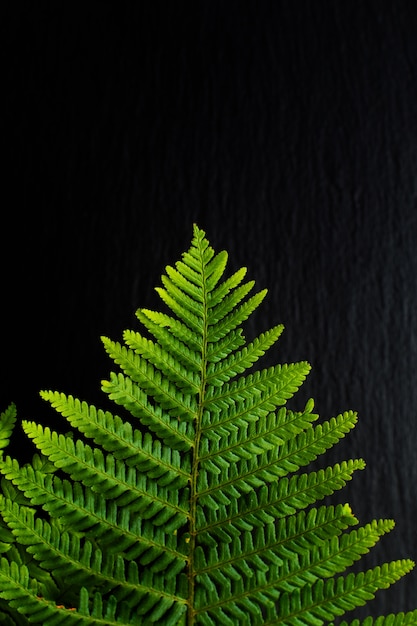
196, 455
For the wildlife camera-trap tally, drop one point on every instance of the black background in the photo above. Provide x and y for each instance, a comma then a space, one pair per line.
288, 131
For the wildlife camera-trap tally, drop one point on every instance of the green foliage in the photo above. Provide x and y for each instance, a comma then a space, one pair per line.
192, 507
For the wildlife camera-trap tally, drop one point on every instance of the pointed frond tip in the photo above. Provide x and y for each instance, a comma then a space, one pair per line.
196, 504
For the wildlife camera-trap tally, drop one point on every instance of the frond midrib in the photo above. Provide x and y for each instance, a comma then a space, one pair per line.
194, 495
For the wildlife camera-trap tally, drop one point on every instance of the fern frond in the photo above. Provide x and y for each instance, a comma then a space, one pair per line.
218, 482
224, 347
329, 557
193, 305
116, 529
189, 355
126, 393
399, 619
79, 561
219, 373
191, 510
152, 381
251, 396
140, 450
219, 311
187, 380
241, 439
293, 538
53, 547
221, 329
21, 594
213, 269
274, 501
216, 295
327, 599
7, 422
176, 328
126, 487
311, 604
187, 286
190, 320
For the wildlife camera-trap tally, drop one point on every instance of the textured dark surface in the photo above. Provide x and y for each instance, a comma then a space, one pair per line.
287, 130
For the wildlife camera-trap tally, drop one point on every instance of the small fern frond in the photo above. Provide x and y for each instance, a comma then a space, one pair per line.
241, 439
148, 455
21, 594
189, 509
330, 557
219, 479
176, 328
7, 422
126, 393
221, 349
186, 380
219, 330
188, 355
219, 311
272, 386
327, 599
220, 292
399, 619
274, 501
126, 487
74, 559
154, 382
117, 529
219, 373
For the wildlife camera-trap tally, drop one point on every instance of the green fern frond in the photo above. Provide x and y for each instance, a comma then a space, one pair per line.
153, 380
217, 330
270, 503
110, 477
220, 310
268, 388
187, 354
400, 619
21, 594
189, 509
117, 528
78, 562
238, 362
218, 294
125, 443
326, 599
126, 393
7, 422
185, 379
